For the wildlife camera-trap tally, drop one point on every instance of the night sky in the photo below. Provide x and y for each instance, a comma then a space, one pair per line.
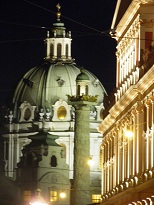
24, 25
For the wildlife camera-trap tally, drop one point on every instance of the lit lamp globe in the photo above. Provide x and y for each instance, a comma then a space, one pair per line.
129, 134
62, 195
38, 199
90, 161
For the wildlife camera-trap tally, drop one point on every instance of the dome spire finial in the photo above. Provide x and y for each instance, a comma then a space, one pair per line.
58, 12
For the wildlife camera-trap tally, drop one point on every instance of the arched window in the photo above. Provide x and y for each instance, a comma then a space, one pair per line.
66, 50
86, 89
78, 90
53, 161
58, 50
51, 50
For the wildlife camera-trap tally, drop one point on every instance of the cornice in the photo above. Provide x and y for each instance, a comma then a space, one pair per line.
135, 92
127, 17
130, 13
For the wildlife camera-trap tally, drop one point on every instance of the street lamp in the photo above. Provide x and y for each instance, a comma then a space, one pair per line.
38, 199
62, 194
129, 134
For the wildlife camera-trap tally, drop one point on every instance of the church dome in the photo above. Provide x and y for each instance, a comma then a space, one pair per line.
55, 79
43, 85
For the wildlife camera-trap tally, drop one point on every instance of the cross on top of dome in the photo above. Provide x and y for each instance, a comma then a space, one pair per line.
58, 12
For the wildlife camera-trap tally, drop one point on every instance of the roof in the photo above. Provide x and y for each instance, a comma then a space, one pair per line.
82, 76
43, 85
121, 8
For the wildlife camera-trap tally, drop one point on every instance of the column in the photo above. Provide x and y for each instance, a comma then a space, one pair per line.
134, 142
10, 156
81, 183
118, 158
152, 133
115, 154
48, 48
16, 151
139, 140
103, 179
148, 103
108, 166
55, 49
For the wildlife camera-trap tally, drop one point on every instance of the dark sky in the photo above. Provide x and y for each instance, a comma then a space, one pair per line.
22, 37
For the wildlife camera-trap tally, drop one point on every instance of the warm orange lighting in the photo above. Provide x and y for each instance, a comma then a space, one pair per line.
62, 195
38, 199
90, 161
129, 134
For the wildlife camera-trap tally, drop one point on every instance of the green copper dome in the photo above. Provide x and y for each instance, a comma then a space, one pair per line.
82, 76
43, 85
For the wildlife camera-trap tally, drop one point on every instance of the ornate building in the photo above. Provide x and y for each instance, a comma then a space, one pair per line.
128, 124
38, 132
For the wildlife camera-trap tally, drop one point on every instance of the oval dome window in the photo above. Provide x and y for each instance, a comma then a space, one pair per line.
61, 112
27, 114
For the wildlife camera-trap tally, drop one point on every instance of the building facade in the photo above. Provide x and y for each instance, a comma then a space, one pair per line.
128, 124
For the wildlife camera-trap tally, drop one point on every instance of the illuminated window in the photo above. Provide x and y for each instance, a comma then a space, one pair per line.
61, 112
26, 195
96, 198
53, 196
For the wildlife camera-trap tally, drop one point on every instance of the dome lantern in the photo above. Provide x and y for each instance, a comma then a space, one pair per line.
82, 83
59, 44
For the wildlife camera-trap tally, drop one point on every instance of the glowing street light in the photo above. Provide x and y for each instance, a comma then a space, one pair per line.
62, 194
129, 134
90, 161
38, 199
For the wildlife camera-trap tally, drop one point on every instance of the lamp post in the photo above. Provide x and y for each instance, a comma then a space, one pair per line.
38, 199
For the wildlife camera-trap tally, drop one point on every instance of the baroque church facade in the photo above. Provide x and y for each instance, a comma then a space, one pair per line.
128, 124
38, 133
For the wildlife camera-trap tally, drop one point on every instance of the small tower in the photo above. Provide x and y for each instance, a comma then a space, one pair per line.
81, 193
82, 83
58, 42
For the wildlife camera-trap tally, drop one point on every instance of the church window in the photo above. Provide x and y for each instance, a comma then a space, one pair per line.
61, 112
53, 161
59, 50
53, 196
27, 114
